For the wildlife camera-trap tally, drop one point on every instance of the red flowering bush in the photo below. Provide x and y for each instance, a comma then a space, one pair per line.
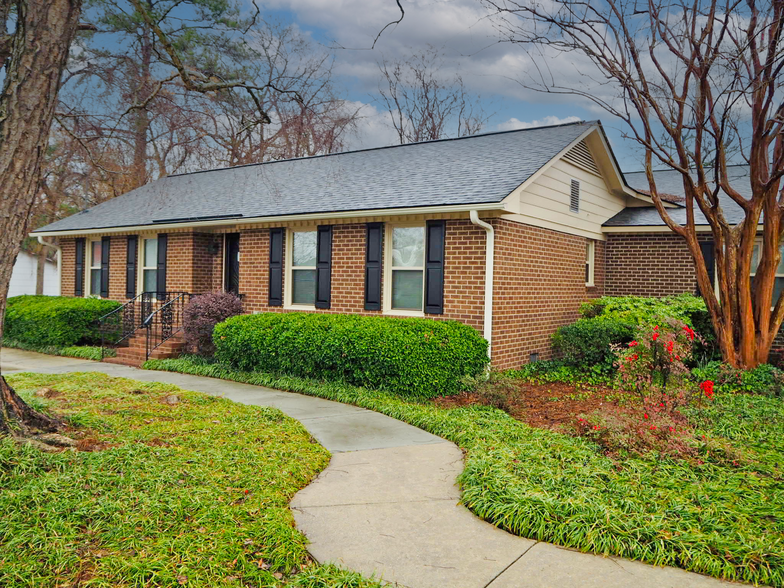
653, 367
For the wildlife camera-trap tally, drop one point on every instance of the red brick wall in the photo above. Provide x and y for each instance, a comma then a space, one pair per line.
463, 267
539, 286
539, 277
648, 264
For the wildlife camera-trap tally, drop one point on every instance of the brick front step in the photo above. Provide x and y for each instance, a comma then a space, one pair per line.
135, 350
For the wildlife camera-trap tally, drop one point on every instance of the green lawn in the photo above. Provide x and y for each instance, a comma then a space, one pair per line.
189, 494
712, 518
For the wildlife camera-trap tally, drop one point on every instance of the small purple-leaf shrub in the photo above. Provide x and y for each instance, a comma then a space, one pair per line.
202, 314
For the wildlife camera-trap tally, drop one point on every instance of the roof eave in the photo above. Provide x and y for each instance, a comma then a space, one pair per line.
163, 227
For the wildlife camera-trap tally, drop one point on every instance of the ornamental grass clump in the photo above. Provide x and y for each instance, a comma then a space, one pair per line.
653, 369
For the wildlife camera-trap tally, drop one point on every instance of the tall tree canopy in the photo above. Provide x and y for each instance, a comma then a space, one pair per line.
698, 86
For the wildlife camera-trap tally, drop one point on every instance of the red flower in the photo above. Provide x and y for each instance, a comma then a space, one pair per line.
633, 344
653, 427
656, 328
670, 346
655, 335
689, 332
707, 388
646, 415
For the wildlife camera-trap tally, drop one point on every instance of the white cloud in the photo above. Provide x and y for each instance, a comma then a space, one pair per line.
373, 129
514, 124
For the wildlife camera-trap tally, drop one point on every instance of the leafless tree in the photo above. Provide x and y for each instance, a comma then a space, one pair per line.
698, 87
34, 48
425, 105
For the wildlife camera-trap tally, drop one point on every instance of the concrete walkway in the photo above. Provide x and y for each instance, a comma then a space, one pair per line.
387, 504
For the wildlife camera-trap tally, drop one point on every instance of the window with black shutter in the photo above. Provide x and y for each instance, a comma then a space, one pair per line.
79, 274
434, 266
323, 266
373, 265
131, 248
276, 267
106, 244
163, 240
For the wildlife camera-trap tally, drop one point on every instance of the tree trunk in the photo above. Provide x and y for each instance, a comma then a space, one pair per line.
43, 35
40, 271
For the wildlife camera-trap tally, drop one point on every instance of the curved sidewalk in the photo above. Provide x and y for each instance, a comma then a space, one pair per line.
387, 504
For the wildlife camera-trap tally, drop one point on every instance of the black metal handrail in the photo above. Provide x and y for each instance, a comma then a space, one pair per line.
166, 321
121, 323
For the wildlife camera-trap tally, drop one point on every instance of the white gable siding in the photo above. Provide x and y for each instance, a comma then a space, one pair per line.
544, 202
23, 277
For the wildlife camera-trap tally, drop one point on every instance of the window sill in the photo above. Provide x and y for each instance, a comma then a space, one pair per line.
299, 307
391, 312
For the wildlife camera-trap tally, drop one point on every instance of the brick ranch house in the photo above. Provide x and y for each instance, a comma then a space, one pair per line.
507, 232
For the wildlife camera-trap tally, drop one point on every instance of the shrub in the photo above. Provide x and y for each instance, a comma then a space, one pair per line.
641, 310
587, 343
55, 320
764, 379
202, 314
415, 357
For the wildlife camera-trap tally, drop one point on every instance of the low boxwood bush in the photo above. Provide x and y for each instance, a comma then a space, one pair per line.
55, 320
586, 343
415, 357
202, 314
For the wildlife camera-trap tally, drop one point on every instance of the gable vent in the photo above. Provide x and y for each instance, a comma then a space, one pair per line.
580, 156
574, 197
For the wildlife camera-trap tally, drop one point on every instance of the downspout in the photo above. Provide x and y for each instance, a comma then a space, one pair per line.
489, 257
59, 263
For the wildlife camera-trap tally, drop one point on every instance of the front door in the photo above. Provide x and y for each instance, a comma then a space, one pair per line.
232, 264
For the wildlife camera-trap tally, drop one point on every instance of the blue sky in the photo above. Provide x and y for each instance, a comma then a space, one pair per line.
470, 43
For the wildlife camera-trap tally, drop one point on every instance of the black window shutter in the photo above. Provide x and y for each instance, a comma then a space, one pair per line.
323, 266
79, 277
130, 266
106, 245
163, 240
373, 252
276, 267
435, 251
708, 249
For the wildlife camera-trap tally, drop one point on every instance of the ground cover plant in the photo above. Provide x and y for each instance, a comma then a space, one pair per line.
92, 352
166, 488
711, 512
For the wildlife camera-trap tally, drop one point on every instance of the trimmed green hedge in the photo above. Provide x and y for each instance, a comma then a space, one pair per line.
55, 320
587, 343
415, 357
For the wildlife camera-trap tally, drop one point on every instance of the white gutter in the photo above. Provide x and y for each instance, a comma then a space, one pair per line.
59, 263
489, 257
275, 220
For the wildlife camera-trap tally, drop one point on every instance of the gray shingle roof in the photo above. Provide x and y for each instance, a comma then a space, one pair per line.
670, 182
470, 170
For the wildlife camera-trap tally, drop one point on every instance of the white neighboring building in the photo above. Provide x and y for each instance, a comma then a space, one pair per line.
23, 276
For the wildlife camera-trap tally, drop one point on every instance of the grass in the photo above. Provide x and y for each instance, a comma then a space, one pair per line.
712, 519
194, 493
80, 351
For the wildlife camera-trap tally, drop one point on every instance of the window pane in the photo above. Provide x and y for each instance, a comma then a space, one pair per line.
304, 249
303, 286
407, 289
150, 254
755, 258
150, 281
96, 253
95, 282
777, 287
408, 247
780, 269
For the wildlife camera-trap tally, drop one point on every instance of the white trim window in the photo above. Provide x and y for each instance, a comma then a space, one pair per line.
301, 269
94, 271
755, 259
404, 280
148, 254
590, 262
